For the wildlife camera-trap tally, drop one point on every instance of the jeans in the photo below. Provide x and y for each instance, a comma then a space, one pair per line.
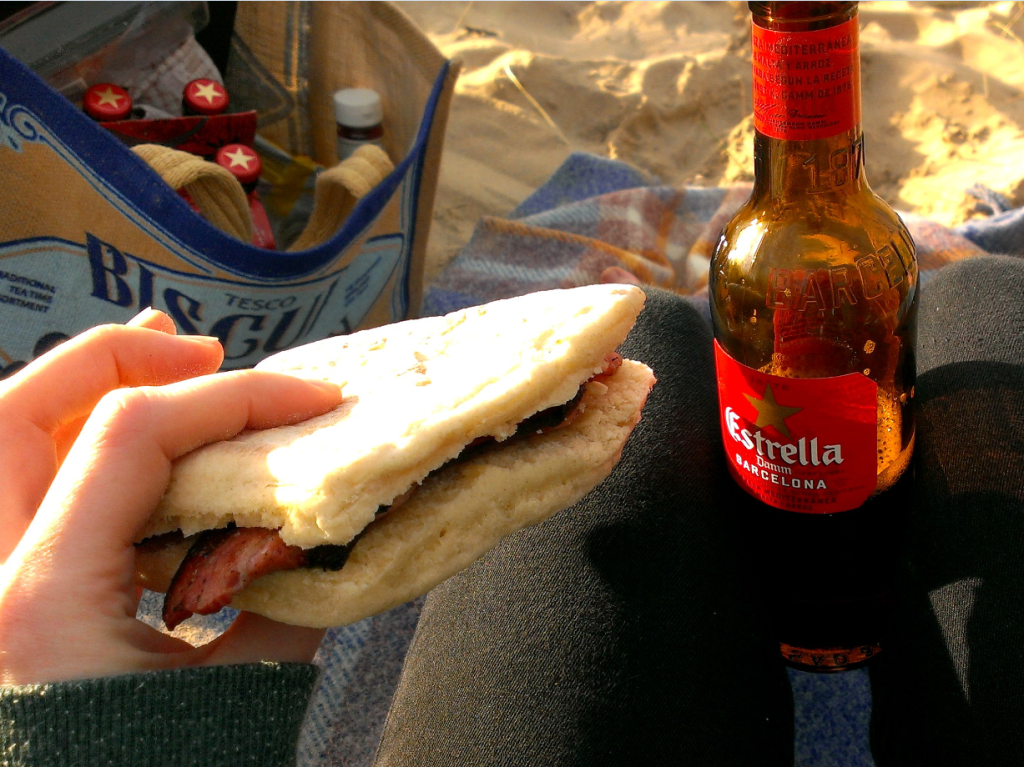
623, 630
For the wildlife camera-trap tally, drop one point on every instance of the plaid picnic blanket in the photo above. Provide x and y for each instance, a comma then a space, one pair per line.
567, 233
592, 214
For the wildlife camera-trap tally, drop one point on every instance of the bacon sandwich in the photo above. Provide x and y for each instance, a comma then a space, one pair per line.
453, 432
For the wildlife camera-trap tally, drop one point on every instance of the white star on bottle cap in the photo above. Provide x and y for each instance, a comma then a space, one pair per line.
107, 97
239, 157
208, 91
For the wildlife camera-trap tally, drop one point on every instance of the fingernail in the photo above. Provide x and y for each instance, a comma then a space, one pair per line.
328, 386
202, 340
142, 316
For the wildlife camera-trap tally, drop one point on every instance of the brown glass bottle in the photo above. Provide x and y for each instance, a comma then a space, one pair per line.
816, 278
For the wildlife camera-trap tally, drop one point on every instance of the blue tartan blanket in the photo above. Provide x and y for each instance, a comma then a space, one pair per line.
595, 213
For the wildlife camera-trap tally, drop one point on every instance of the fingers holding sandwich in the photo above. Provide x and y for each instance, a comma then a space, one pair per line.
67, 589
44, 405
133, 435
67, 382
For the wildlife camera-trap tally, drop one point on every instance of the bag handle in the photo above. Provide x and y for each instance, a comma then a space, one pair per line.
338, 189
215, 190
222, 201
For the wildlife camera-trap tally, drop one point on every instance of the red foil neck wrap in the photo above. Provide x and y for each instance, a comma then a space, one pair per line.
806, 84
799, 444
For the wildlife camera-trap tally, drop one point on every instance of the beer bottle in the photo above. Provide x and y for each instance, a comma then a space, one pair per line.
245, 164
813, 291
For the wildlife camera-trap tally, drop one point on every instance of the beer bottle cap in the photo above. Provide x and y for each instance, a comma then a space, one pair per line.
242, 161
204, 97
357, 108
107, 102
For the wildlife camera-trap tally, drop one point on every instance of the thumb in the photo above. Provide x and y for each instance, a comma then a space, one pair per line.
252, 638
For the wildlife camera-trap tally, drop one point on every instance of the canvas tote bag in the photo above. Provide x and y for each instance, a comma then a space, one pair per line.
91, 234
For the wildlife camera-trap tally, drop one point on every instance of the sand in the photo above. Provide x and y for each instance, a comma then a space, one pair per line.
666, 88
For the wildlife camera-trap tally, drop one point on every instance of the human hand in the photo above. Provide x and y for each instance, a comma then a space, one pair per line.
87, 435
618, 275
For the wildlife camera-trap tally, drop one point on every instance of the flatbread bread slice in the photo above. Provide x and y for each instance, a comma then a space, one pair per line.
457, 515
415, 394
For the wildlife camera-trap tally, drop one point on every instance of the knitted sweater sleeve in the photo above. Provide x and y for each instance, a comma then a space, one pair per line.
216, 716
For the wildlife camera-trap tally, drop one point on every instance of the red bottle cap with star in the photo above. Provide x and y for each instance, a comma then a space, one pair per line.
204, 97
107, 102
243, 162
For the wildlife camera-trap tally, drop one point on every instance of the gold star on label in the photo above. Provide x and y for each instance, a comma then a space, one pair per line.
239, 157
770, 413
207, 91
108, 97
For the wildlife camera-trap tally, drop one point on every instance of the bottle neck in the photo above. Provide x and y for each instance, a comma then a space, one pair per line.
806, 78
829, 166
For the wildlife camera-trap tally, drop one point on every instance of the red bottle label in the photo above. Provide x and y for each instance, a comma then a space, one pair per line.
806, 84
799, 444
